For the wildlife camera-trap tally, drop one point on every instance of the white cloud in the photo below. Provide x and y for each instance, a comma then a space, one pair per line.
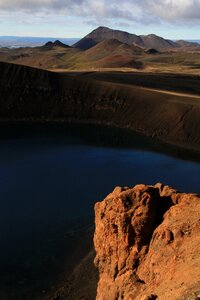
176, 10
138, 11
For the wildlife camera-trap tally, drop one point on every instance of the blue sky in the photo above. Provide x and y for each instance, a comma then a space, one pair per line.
173, 19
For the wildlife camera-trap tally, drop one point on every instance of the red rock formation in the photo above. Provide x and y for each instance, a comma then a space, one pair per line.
147, 242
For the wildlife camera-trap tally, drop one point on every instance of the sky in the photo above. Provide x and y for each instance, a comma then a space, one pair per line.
172, 19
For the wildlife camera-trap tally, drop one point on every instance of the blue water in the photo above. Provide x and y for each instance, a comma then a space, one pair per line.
50, 181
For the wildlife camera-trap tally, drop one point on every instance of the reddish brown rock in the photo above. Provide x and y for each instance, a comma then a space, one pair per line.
147, 242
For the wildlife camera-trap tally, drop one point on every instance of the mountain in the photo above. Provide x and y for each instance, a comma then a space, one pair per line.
145, 41
186, 43
157, 42
188, 46
50, 45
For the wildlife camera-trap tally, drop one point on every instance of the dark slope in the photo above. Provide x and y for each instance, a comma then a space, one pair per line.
85, 43
36, 95
189, 84
104, 33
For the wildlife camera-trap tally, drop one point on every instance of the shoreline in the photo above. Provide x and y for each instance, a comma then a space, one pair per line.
171, 147
34, 95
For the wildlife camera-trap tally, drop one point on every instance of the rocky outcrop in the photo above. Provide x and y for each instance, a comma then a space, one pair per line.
147, 242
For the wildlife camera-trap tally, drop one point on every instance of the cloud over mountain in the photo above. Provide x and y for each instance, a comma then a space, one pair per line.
146, 11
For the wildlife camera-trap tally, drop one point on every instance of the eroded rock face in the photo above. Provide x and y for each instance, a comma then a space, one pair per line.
147, 242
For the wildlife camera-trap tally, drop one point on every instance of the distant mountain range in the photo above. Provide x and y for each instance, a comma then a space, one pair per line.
106, 48
98, 35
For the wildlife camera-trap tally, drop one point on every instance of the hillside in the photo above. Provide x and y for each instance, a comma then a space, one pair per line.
145, 41
36, 95
52, 55
110, 53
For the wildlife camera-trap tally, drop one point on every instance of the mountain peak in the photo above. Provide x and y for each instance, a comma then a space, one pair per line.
102, 28
102, 33
56, 43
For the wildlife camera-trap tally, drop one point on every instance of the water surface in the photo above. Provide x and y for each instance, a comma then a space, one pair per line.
50, 178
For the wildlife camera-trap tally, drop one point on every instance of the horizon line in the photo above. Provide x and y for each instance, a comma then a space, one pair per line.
56, 37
